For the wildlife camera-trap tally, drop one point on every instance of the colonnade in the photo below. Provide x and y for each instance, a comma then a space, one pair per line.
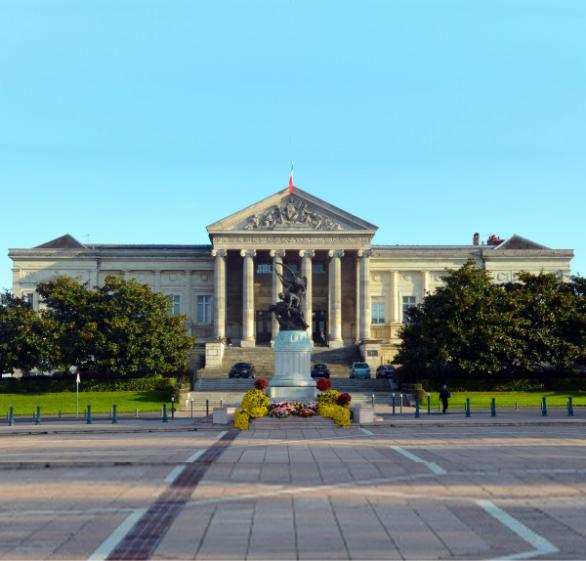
335, 339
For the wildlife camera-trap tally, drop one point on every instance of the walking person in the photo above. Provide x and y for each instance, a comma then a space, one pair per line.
444, 396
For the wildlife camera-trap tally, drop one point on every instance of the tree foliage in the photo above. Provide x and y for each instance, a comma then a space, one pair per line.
120, 328
26, 338
471, 325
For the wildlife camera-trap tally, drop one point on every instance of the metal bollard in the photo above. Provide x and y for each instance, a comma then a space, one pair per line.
192, 408
172, 408
417, 414
393, 396
137, 413
114, 414
207, 407
59, 415
400, 404
544, 406
222, 403
165, 418
429, 404
493, 407
38, 415
516, 406
89, 415
467, 407
570, 406
11, 416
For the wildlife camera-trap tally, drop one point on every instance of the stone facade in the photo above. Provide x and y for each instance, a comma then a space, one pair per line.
358, 292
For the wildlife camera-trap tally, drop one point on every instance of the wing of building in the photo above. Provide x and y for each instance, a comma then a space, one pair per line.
358, 293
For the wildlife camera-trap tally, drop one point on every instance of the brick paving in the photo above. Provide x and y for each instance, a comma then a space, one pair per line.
298, 493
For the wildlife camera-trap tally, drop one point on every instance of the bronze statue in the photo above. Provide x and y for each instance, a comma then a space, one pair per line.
289, 309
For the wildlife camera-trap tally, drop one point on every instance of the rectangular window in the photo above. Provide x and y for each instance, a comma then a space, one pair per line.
29, 298
408, 303
175, 303
378, 312
319, 267
204, 310
264, 268
293, 266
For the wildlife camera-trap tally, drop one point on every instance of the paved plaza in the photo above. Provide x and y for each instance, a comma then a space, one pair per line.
414, 491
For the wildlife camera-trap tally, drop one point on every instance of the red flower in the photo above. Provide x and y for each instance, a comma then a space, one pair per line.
344, 399
323, 384
261, 384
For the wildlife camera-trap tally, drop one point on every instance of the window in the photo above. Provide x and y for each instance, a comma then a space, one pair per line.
408, 303
378, 312
204, 310
319, 267
264, 268
29, 298
293, 266
175, 303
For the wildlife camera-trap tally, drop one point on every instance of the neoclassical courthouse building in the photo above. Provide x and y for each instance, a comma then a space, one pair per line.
357, 292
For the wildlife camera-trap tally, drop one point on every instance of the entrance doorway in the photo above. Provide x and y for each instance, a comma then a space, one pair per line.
320, 327
264, 327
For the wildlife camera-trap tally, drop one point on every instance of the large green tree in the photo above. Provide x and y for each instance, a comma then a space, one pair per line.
121, 328
467, 325
26, 338
554, 319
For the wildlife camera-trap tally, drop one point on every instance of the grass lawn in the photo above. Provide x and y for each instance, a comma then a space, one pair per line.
509, 399
101, 402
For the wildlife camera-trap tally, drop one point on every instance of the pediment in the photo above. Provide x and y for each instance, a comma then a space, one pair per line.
519, 242
286, 212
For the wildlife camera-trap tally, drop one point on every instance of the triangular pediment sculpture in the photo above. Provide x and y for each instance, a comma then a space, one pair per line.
297, 211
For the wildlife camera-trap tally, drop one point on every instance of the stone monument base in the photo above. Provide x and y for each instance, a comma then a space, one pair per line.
292, 380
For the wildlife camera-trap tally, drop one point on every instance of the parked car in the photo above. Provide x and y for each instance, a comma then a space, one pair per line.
320, 371
242, 370
360, 370
386, 371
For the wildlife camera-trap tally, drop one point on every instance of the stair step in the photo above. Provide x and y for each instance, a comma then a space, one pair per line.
317, 422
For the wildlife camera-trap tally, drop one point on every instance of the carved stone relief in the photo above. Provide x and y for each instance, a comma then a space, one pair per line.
291, 213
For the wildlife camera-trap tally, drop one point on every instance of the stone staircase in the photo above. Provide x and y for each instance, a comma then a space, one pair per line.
292, 423
338, 361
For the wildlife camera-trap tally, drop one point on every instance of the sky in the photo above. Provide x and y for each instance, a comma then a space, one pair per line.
143, 121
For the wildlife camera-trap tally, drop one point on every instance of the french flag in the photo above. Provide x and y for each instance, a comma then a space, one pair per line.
291, 179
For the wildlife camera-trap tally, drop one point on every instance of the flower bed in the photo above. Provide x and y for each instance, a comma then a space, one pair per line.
284, 409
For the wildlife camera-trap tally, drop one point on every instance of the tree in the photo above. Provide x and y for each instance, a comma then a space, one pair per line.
467, 325
121, 328
554, 318
26, 339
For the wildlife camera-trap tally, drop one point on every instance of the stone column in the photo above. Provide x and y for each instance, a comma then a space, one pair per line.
248, 336
307, 272
277, 256
364, 303
335, 312
219, 293
396, 304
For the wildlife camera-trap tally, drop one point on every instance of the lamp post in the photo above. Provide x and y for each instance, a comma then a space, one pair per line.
73, 370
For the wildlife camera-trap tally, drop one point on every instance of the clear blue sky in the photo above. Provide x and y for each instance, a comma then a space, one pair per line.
142, 121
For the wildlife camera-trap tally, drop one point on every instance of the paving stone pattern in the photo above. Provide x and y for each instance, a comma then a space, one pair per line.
297, 493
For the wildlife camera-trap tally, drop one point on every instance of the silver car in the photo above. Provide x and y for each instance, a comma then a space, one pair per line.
360, 370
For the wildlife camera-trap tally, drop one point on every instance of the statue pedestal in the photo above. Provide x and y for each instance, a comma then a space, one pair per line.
292, 380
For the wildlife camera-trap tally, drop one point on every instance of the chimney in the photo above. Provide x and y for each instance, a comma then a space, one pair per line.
476, 239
